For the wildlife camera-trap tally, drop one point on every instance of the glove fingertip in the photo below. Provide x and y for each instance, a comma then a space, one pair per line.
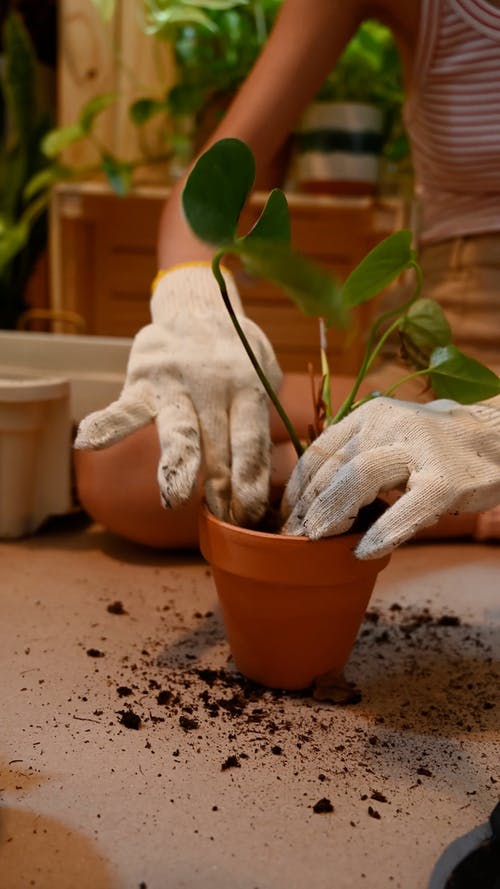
89, 436
378, 542
247, 511
176, 487
366, 550
217, 505
81, 442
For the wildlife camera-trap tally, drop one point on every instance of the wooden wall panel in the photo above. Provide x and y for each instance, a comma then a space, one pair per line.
116, 57
104, 257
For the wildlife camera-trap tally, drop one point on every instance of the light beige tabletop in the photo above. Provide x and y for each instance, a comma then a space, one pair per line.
216, 788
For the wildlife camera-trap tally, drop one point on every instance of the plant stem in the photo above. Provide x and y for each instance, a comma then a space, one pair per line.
371, 352
326, 393
416, 373
260, 373
35, 209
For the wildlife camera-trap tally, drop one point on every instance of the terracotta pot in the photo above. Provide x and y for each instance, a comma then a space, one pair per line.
292, 607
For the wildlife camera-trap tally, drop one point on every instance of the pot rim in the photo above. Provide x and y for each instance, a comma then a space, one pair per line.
267, 535
281, 555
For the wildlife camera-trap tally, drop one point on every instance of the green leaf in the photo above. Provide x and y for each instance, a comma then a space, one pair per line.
163, 21
184, 99
273, 223
312, 288
455, 375
381, 266
57, 140
217, 4
118, 173
163, 15
94, 107
20, 77
423, 328
45, 178
216, 190
181, 146
13, 239
144, 109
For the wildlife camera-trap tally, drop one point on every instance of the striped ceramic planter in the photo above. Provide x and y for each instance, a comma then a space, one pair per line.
338, 147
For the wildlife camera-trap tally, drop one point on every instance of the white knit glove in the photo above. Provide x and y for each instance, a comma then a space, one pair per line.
445, 455
189, 371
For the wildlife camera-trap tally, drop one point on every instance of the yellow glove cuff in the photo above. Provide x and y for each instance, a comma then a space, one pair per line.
182, 265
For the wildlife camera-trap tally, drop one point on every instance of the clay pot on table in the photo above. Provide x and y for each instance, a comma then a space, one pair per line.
291, 607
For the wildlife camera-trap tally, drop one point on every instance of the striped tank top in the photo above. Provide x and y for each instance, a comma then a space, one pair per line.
453, 119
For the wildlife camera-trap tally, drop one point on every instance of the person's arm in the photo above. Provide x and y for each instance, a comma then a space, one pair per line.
307, 39
209, 407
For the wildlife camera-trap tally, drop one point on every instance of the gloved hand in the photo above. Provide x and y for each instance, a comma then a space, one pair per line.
446, 455
189, 371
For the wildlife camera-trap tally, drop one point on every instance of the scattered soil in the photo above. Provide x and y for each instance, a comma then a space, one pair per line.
116, 608
130, 719
322, 806
421, 674
373, 813
232, 762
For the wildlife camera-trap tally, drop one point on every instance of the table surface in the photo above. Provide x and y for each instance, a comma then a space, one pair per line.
216, 788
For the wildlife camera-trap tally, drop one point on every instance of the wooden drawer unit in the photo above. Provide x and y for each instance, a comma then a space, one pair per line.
103, 260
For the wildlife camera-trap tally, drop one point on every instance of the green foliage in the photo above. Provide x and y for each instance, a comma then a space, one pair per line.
312, 289
369, 70
143, 110
163, 17
118, 172
213, 197
455, 375
22, 212
273, 223
56, 141
212, 208
214, 43
423, 328
214, 55
379, 268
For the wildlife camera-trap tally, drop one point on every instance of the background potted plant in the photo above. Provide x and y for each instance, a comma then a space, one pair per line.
213, 45
292, 607
25, 117
355, 118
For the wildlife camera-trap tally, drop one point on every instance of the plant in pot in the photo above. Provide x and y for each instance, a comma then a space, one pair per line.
24, 119
214, 44
292, 607
355, 118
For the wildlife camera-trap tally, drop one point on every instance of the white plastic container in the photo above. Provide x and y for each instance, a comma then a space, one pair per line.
48, 382
35, 449
94, 365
